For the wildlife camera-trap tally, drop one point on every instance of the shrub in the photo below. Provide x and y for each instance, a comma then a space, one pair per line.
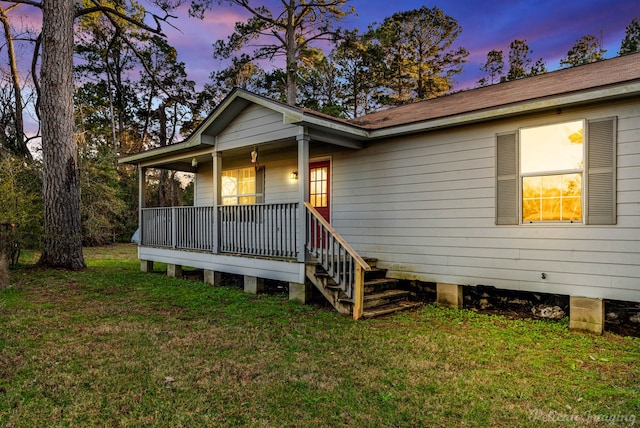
21, 199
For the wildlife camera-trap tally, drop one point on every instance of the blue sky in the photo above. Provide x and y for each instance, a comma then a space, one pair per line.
551, 27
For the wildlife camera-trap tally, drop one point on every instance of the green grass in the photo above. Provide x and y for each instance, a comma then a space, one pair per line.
111, 346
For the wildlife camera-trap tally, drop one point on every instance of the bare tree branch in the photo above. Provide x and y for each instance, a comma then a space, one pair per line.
107, 10
29, 2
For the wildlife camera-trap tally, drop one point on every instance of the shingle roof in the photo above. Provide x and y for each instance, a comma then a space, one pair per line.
595, 75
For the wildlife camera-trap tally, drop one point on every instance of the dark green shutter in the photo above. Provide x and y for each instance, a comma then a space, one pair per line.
507, 179
601, 171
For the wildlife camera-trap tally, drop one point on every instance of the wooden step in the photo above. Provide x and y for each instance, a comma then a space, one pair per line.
385, 297
390, 309
375, 273
381, 294
379, 284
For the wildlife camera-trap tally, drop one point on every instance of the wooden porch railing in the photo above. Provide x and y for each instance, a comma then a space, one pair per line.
260, 230
188, 228
156, 226
336, 256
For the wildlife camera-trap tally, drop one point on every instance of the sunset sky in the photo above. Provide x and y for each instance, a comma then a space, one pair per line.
550, 27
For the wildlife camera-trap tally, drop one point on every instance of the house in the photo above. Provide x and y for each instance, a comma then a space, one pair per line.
529, 185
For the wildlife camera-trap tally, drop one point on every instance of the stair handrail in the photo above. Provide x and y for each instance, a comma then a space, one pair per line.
360, 264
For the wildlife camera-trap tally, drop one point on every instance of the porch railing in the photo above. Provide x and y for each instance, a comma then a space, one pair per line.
189, 228
260, 230
336, 256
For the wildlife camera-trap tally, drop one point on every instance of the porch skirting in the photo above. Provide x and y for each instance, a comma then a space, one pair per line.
279, 270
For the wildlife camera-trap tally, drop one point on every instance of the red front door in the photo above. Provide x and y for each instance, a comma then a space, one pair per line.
319, 187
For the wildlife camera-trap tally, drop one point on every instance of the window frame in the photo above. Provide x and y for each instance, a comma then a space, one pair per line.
549, 173
257, 195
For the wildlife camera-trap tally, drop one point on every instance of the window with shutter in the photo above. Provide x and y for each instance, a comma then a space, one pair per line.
557, 173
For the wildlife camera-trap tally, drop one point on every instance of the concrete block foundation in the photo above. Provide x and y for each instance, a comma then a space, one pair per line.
212, 277
300, 293
146, 266
449, 295
174, 271
253, 284
586, 314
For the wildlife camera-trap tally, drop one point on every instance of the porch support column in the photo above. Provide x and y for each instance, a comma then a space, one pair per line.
217, 199
145, 265
142, 203
303, 190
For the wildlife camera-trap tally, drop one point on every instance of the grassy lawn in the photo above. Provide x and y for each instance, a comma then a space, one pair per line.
112, 346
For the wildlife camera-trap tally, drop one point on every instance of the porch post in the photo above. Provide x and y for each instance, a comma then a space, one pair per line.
303, 190
217, 199
142, 203
145, 265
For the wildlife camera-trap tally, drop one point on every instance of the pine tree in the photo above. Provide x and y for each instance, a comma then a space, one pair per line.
587, 49
493, 68
631, 41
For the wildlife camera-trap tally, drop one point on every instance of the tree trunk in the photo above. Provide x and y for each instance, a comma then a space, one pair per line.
20, 147
291, 56
62, 244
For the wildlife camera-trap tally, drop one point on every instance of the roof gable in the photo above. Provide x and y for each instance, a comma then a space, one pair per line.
612, 78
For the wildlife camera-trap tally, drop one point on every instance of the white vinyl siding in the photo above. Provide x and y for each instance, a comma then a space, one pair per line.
254, 125
426, 207
204, 185
274, 184
279, 187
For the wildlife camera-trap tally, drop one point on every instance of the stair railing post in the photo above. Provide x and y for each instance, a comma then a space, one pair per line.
358, 293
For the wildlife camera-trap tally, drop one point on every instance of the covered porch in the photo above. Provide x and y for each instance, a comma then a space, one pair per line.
276, 241
254, 209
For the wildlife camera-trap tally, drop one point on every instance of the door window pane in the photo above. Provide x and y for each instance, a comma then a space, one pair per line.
318, 196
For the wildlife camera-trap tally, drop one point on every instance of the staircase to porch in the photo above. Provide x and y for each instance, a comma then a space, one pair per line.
381, 294
353, 285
